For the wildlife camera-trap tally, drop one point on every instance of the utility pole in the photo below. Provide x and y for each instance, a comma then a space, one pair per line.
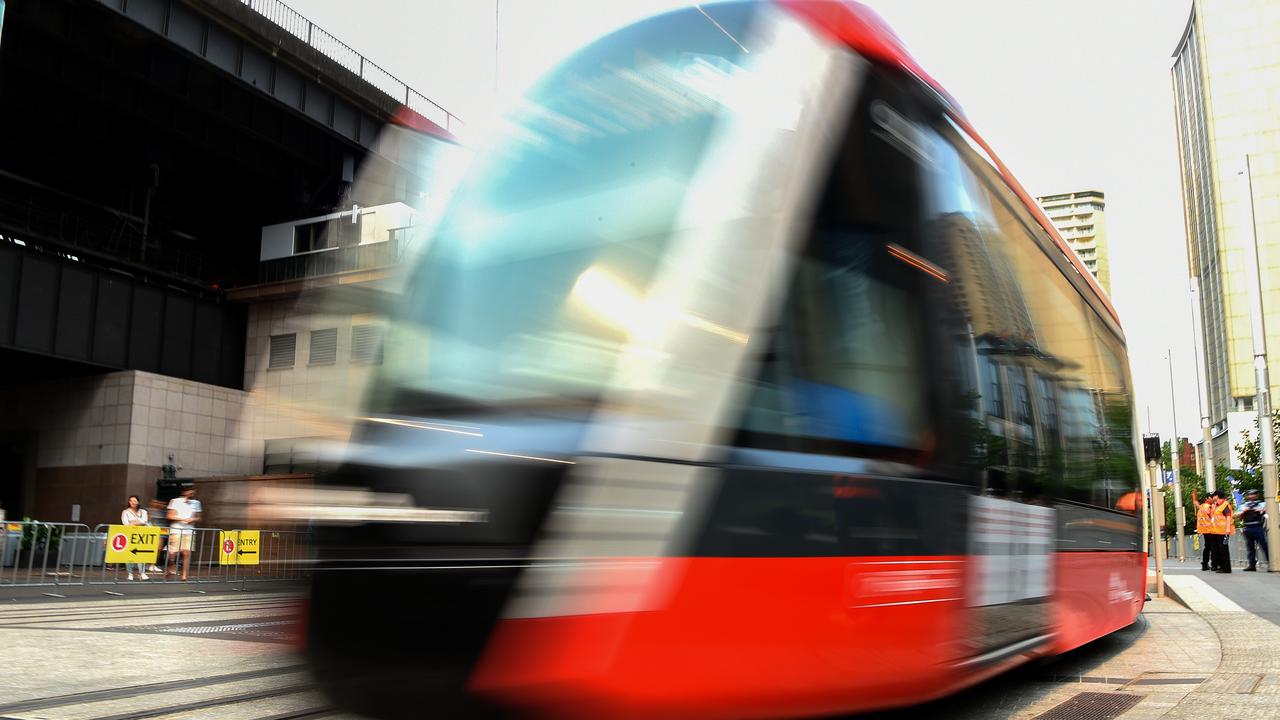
1202, 387
1179, 516
1262, 379
1151, 447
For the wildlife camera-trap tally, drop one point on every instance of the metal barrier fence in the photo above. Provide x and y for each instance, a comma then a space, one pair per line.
1236, 548
31, 553
34, 553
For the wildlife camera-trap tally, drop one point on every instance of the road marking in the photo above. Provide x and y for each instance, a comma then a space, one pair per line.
1199, 595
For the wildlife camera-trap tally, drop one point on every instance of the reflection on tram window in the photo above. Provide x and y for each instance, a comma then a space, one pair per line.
1052, 419
536, 281
847, 359
847, 356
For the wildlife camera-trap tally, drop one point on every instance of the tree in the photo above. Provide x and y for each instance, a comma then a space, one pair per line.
1250, 453
1191, 481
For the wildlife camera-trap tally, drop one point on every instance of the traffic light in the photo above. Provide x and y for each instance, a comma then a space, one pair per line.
1151, 447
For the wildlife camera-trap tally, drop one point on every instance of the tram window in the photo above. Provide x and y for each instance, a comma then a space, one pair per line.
847, 362
1063, 433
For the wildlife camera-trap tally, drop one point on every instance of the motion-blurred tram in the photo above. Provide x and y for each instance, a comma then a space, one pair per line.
739, 379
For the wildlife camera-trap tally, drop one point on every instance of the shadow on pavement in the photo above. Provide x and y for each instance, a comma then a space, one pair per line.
1006, 694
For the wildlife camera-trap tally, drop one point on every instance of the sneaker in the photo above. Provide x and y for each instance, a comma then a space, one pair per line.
130, 576
144, 576
155, 569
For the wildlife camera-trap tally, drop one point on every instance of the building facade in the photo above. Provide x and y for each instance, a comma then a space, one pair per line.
1081, 220
1226, 87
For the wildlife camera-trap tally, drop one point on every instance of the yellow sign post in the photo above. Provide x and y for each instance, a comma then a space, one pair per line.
238, 547
132, 544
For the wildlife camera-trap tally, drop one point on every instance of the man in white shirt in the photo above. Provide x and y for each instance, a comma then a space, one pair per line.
184, 513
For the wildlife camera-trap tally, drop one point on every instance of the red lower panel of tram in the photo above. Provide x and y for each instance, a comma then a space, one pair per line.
769, 637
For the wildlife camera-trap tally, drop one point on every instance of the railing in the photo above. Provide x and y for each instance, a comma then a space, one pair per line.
331, 261
294, 23
35, 554
1237, 549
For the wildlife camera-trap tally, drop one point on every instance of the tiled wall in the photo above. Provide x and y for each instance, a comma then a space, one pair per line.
305, 400
202, 425
138, 418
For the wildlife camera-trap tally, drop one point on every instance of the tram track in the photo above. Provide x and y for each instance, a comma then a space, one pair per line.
61, 616
218, 702
130, 691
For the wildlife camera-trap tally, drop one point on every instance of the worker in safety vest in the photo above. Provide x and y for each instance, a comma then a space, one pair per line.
1222, 518
1204, 526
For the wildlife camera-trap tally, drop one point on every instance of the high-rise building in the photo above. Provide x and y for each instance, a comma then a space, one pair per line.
1081, 220
1226, 86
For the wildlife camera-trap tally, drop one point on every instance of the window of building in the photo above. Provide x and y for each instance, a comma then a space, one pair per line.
310, 237
330, 233
366, 344
992, 387
324, 346
283, 348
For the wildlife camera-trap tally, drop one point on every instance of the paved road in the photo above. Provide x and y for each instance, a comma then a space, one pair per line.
229, 655
216, 656
1256, 592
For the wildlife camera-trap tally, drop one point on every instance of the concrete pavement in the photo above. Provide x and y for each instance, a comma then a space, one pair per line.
1212, 653
1240, 613
222, 655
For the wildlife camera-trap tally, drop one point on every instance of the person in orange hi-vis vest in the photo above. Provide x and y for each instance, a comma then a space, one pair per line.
1204, 526
1223, 518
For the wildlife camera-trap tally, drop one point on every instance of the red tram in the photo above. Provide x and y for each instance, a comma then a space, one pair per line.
740, 379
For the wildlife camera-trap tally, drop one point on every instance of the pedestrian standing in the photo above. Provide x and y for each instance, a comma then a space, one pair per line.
134, 515
1223, 520
1204, 526
1253, 514
184, 513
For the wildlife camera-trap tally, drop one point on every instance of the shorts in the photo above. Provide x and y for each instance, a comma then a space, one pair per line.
179, 540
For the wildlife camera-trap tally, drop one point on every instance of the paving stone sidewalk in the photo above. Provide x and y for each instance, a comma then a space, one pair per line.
1244, 682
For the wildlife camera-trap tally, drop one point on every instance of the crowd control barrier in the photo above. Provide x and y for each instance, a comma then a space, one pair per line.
36, 553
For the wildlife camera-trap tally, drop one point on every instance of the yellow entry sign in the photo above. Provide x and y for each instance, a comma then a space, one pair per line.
238, 547
132, 544
247, 547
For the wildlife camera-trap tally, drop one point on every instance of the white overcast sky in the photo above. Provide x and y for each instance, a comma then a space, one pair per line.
1070, 95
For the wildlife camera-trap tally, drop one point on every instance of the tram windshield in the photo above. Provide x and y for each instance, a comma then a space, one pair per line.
537, 278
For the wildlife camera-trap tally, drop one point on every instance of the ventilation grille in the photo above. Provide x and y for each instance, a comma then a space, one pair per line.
324, 346
366, 343
283, 348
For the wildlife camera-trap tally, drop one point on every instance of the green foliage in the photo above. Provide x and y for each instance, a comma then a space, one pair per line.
37, 535
1191, 481
1250, 452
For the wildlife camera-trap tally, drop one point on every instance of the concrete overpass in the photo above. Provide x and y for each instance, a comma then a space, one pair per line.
144, 144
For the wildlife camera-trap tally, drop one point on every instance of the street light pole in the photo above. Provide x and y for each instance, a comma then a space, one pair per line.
1262, 380
1175, 448
1202, 390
